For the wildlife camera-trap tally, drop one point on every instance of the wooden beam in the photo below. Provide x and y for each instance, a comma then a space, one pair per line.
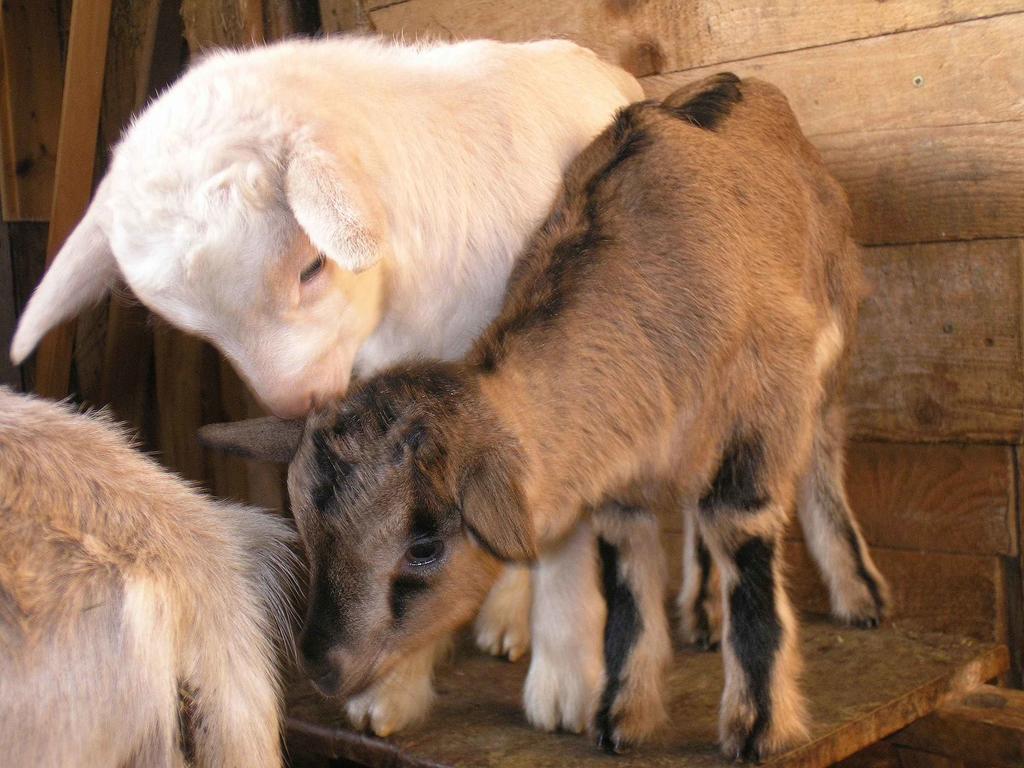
920, 79
76, 152
983, 727
938, 353
660, 36
30, 96
962, 182
939, 498
9, 373
932, 591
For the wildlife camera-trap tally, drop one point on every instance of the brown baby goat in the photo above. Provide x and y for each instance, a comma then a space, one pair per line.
121, 587
676, 328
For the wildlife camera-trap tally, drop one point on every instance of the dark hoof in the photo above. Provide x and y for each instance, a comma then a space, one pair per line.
611, 744
707, 644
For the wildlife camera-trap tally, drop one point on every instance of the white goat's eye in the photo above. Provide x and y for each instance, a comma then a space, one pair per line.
314, 269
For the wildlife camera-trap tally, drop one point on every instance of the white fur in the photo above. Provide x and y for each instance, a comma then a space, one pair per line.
502, 627
418, 170
118, 584
566, 673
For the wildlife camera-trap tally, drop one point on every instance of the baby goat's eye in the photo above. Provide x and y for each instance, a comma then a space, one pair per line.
424, 551
314, 269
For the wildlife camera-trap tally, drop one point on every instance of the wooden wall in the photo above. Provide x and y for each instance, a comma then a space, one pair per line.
917, 107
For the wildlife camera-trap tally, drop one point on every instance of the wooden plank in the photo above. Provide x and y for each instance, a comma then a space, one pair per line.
932, 591
664, 35
984, 727
76, 149
940, 498
31, 82
344, 16
178, 361
925, 78
861, 686
880, 755
220, 24
10, 375
924, 184
939, 349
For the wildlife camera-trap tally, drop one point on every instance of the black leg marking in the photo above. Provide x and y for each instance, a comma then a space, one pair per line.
862, 572
736, 485
756, 632
621, 630
703, 621
708, 108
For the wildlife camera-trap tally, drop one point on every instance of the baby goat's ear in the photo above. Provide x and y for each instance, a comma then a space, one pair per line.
494, 512
81, 274
263, 439
335, 206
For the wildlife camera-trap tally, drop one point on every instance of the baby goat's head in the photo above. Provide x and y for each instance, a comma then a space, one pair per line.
235, 218
406, 497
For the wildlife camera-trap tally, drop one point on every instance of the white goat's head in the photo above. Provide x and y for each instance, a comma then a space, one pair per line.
232, 219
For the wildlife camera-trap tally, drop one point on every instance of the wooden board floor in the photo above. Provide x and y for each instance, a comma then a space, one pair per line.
862, 686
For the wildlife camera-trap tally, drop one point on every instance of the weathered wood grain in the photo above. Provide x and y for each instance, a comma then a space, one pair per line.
951, 498
940, 498
932, 591
938, 355
344, 16
73, 176
220, 24
861, 686
923, 184
983, 727
9, 373
665, 36
925, 78
178, 373
31, 83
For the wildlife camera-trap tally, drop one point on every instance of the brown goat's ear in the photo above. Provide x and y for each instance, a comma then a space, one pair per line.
494, 512
263, 439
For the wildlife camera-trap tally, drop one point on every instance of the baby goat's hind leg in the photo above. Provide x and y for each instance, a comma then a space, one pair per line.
637, 649
742, 516
698, 603
859, 593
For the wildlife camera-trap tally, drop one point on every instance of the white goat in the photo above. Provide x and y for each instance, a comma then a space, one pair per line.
120, 588
322, 206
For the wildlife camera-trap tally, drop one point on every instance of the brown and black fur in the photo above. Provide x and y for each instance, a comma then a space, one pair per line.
676, 328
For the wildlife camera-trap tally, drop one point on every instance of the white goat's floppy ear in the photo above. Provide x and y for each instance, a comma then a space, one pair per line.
81, 274
333, 203
263, 439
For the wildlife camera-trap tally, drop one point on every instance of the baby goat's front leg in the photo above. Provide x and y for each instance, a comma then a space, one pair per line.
402, 696
566, 667
636, 637
762, 709
502, 626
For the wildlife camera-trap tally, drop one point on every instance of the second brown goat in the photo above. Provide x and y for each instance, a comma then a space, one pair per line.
677, 328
